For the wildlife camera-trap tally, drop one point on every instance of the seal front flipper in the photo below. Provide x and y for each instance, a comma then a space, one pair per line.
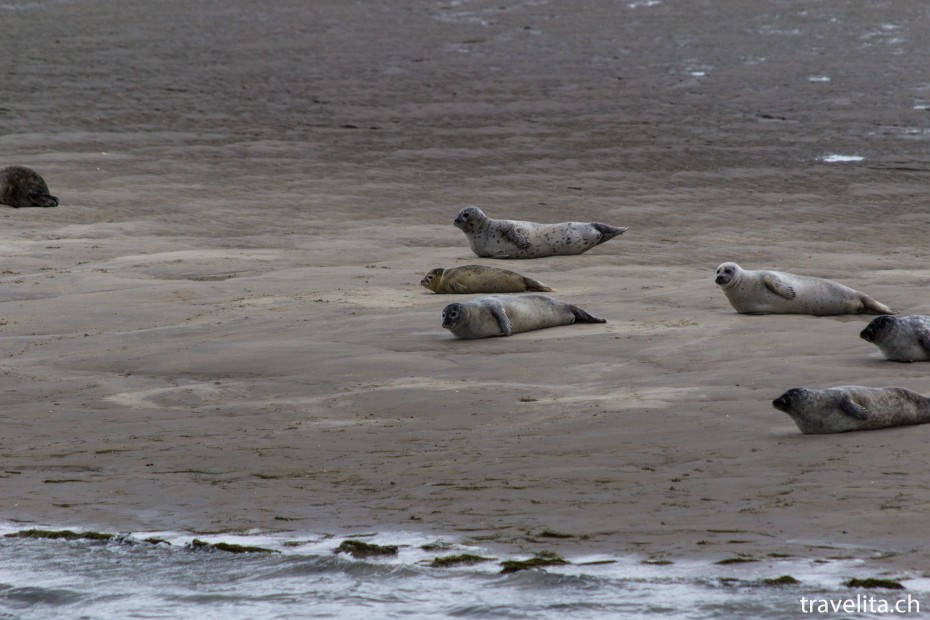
923, 339
515, 236
497, 310
42, 200
853, 410
778, 286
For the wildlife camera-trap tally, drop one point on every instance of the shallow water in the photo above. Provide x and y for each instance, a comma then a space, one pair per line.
129, 578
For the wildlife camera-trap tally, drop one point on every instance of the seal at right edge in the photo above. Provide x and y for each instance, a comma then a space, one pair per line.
853, 408
900, 339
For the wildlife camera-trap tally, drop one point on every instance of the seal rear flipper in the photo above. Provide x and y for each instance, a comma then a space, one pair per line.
870, 306
516, 237
853, 410
503, 320
42, 200
608, 232
583, 317
778, 286
536, 285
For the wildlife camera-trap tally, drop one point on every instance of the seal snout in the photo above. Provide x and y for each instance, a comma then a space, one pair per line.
873, 329
781, 403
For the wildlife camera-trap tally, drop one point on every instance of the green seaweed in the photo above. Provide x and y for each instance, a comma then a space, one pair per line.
200, 545
465, 559
543, 558
59, 535
784, 580
735, 561
874, 583
358, 549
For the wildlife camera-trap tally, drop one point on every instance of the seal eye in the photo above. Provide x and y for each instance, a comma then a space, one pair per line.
453, 314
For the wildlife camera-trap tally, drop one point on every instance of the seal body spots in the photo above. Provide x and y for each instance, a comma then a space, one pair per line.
777, 292
853, 408
479, 279
506, 315
23, 187
900, 339
513, 239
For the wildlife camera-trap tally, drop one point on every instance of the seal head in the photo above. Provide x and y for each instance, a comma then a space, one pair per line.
469, 219
727, 274
451, 315
877, 329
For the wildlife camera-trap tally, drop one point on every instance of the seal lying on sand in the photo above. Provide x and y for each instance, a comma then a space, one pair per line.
900, 339
479, 279
853, 408
513, 239
23, 187
777, 292
506, 315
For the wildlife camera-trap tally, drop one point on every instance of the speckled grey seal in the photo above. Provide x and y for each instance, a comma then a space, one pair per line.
853, 408
900, 339
777, 292
23, 187
513, 239
479, 279
506, 315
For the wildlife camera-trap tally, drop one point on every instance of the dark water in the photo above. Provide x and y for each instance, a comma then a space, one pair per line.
130, 578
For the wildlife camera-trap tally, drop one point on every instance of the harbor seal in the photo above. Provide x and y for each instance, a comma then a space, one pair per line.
479, 279
23, 187
777, 292
900, 339
506, 315
853, 408
513, 239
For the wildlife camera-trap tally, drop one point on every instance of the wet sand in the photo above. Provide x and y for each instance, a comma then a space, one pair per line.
221, 326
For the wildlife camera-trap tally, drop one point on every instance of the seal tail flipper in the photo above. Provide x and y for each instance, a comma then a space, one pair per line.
608, 232
583, 317
42, 200
536, 285
870, 306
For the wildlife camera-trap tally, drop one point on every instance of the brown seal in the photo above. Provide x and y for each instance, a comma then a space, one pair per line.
479, 279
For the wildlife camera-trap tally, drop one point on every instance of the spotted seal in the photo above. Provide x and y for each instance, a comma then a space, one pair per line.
900, 339
777, 292
853, 408
505, 315
490, 238
479, 279
23, 187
